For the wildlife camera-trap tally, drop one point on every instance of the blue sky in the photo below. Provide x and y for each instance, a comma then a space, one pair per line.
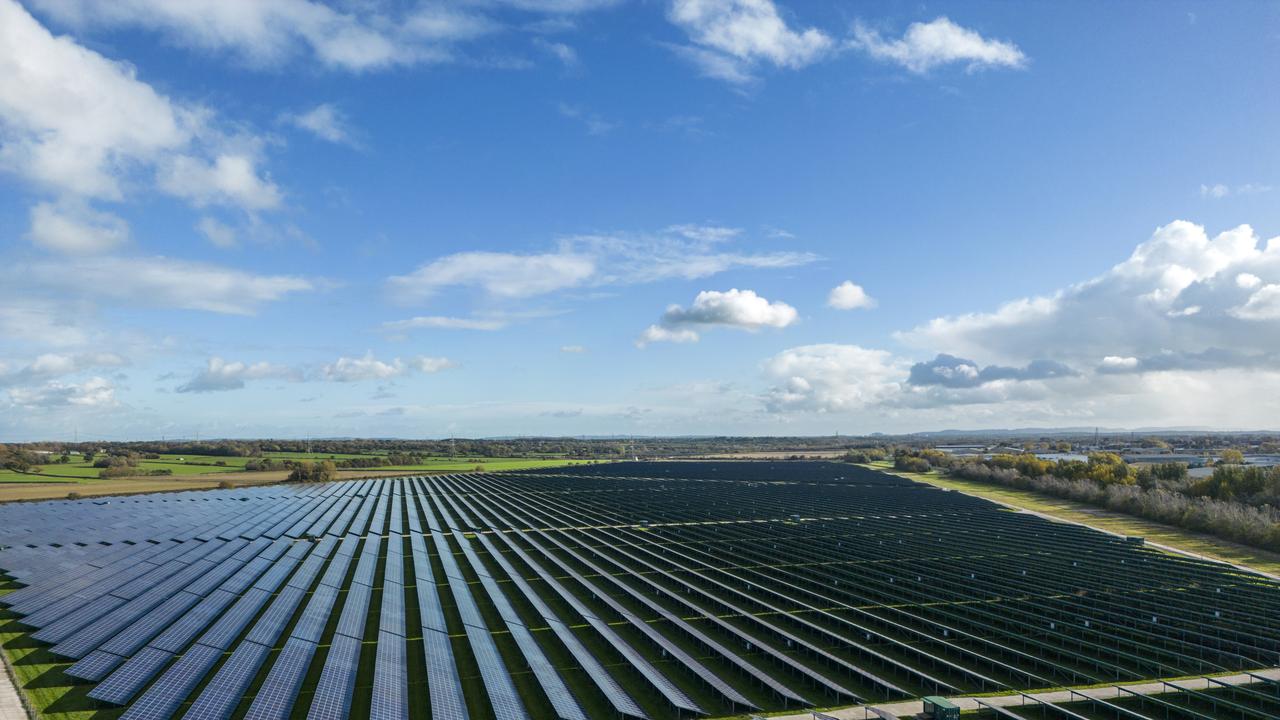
288, 218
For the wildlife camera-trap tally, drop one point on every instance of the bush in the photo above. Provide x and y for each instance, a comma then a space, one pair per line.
911, 463
226, 485
74, 496
307, 471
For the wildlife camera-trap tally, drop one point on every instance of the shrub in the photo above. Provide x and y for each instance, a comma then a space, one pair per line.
74, 496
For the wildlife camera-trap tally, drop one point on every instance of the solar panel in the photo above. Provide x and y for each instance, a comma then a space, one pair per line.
273, 622
181, 632
121, 685
127, 641
315, 616
162, 699
219, 698
332, 697
95, 666
229, 626
390, 679
354, 611
391, 616
443, 683
275, 699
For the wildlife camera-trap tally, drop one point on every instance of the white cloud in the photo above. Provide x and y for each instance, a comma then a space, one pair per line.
441, 322
1116, 362
741, 309
1248, 281
1179, 293
1219, 190
687, 252
731, 37
575, 349
560, 51
93, 392
262, 33
1263, 304
504, 275
594, 124
74, 228
224, 180
831, 378
53, 365
657, 333
325, 122
166, 283
72, 120
217, 233
848, 296
220, 375
80, 125
349, 369
939, 42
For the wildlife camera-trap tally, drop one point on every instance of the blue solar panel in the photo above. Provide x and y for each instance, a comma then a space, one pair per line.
354, 611
275, 699
219, 698
443, 683
142, 630
162, 699
179, 634
391, 616
269, 627
315, 616
121, 685
229, 626
332, 698
335, 576
390, 679
95, 666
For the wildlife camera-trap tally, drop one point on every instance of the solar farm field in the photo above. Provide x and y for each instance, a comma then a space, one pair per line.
643, 590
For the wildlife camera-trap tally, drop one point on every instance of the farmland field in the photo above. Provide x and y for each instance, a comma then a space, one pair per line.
656, 590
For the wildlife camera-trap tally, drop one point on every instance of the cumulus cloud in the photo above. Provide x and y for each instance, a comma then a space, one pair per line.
323, 121
732, 37
231, 179
848, 296
657, 333
93, 392
81, 125
75, 228
164, 282
830, 378
741, 309
52, 365
220, 375
953, 372
355, 369
687, 252
926, 46
1179, 292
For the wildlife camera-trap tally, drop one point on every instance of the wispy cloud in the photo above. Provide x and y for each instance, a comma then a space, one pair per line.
926, 46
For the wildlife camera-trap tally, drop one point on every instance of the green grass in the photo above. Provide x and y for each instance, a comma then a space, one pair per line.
189, 465
42, 676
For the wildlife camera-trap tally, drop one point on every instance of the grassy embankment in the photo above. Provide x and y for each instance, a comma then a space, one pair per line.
1103, 519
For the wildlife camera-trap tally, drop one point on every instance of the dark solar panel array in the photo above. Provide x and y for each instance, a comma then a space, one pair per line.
891, 589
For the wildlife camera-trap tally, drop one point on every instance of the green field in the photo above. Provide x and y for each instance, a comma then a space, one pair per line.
186, 465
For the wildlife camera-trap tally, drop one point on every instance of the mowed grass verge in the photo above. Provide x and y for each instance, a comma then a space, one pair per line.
1103, 519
